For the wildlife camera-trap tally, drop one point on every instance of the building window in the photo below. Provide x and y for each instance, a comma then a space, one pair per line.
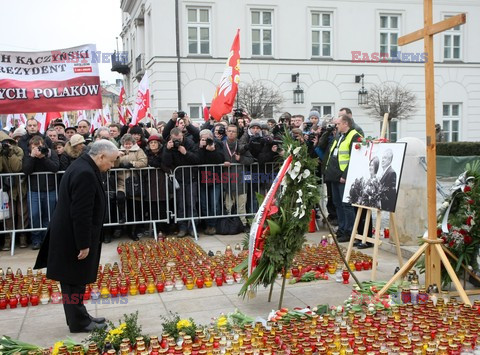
195, 111
452, 40
389, 32
323, 109
262, 32
393, 131
451, 122
321, 34
198, 21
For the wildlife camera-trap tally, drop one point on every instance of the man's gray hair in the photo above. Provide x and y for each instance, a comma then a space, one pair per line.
102, 146
101, 129
206, 132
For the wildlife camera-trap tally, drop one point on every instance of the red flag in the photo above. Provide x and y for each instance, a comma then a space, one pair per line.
121, 107
40, 117
142, 102
224, 97
50, 117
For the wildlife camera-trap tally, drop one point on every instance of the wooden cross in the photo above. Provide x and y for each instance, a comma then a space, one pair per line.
432, 248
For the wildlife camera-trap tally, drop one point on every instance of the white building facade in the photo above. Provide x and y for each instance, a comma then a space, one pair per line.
183, 46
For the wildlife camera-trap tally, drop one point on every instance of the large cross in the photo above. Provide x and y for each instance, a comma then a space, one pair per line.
432, 262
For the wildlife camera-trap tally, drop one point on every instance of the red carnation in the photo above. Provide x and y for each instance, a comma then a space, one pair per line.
463, 232
470, 202
444, 240
357, 146
467, 189
449, 226
467, 239
359, 139
439, 232
451, 244
469, 220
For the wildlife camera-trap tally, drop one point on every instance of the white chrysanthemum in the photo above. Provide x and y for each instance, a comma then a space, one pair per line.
306, 173
296, 150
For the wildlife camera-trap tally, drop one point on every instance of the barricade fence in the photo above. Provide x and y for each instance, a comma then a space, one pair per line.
188, 195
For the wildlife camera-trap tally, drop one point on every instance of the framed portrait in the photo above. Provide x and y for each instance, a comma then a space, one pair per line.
374, 173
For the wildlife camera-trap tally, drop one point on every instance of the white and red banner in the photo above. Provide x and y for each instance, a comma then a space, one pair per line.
224, 97
107, 117
122, 107
81, 115
142, 101
21, 118
255, 245
57, 80
205, 112
41, 118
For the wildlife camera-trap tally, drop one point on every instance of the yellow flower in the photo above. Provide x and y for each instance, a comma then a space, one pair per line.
183, 323
222, 321
56, 347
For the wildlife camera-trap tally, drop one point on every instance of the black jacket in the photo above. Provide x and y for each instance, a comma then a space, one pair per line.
192, 132
76, 224
172, 158
42, 182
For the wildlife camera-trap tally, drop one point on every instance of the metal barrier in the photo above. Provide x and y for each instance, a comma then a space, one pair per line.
141, 196
208, 192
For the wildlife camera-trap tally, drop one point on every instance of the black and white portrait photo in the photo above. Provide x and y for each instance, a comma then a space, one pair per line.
374, 175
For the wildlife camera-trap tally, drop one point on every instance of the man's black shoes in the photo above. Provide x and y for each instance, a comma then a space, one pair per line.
364, 245
89, 328
97, 319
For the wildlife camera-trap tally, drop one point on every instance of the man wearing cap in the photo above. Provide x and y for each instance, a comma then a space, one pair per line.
11, 157
60, 128
74, 147
253, 138
69, 132
314, 117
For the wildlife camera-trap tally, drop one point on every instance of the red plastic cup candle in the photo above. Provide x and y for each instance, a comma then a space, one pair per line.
386, 233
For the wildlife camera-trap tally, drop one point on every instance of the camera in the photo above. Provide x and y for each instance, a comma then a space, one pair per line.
42, 149
209, 141
308, 126
221, 130
238, 112
331, 126
181, 114
5, 148
176, 143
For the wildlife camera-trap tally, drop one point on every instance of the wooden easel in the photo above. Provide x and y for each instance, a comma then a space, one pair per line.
376, 240
434, 253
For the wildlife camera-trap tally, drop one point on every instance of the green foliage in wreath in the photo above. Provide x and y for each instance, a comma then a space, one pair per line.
299, 193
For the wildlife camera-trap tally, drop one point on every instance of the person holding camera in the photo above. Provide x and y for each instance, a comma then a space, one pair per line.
181, 121
128, 198
42, 197
156, 183
32, 130
219, 131
139, 135
11, 156
235, 188
179, 151
211, 152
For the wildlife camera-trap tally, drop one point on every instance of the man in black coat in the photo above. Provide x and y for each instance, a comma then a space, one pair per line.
72, 246
389, 183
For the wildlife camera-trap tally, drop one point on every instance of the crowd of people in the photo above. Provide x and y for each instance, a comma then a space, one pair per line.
223, 152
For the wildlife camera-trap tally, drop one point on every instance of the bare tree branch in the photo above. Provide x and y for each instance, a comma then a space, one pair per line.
392, 98
257, 99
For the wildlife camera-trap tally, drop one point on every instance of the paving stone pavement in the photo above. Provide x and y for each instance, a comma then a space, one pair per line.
45, 324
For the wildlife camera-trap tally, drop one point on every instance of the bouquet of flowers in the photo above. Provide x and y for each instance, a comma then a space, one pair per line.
458, 219
174, 325
128, 328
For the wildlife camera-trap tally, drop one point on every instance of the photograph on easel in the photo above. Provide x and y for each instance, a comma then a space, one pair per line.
374, 173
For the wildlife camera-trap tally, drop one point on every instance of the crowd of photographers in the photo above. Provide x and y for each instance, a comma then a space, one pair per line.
165, 146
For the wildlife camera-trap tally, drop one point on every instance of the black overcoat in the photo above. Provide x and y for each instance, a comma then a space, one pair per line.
76, 224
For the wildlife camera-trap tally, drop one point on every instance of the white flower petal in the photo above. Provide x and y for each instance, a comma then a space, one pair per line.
296, 150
